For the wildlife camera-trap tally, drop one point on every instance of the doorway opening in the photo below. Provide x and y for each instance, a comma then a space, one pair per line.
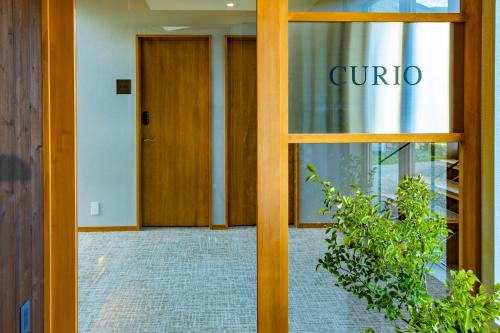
153, 108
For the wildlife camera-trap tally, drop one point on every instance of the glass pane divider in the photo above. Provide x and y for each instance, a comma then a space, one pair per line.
374, 138
374, 17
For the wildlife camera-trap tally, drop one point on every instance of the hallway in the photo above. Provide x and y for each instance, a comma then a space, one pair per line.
197, 280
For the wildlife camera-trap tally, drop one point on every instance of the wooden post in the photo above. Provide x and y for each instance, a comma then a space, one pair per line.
470, 233
272, 166
59, 149
488, 144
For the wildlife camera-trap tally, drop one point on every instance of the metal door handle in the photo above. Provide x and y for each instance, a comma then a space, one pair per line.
149, 140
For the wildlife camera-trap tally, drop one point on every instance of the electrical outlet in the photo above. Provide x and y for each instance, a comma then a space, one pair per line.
25, 317
95, 209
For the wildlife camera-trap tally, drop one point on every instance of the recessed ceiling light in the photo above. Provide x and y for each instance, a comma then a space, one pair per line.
173, 28
230, 4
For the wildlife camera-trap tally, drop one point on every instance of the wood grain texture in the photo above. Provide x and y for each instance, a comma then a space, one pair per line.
21, 199
176, 161
241, 130
470, 232
488, 144
370, 138
272, 166
59, 139
373, 17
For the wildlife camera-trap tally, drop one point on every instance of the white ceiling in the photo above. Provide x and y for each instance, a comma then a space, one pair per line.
201, 5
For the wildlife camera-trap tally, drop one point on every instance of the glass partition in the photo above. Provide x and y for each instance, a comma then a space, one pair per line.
370, 77
379, 6
377, 168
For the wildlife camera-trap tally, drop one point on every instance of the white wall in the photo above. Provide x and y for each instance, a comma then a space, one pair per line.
106, 121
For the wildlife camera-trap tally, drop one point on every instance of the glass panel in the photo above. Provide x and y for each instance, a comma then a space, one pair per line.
370, 77
377, 169
379, 6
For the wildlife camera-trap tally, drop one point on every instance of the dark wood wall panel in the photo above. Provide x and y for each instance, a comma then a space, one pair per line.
241, 133
21, 225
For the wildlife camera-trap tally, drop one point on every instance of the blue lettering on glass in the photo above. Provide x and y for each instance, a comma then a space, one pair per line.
332, 73
380, 75
353, 71
419, 75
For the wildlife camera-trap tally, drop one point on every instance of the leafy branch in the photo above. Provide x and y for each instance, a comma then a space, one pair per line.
383, 253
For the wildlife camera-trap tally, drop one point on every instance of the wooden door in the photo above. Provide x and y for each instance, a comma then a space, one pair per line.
241, 130
176, 132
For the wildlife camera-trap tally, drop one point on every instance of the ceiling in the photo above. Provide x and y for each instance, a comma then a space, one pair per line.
138, 12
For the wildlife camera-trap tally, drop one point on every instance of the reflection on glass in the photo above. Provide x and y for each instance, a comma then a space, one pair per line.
380, 6
377, 168
370, 77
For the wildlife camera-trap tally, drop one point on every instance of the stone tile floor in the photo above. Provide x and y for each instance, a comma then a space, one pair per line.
197, 280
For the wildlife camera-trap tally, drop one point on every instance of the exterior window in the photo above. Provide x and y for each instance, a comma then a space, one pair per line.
370, 77
379, 6
377, 169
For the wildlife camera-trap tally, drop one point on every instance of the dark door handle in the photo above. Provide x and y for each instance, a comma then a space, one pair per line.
145, 118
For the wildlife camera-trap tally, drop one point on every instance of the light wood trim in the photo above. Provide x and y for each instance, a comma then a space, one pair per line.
139, 39
488, 144
370, 138
470, 245
59, 150
272, 156
218, 227
173, 37
373, 17
108, 229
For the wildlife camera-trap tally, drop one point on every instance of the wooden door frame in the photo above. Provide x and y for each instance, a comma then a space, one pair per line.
138, 96
226, 125
59, 166
59, 137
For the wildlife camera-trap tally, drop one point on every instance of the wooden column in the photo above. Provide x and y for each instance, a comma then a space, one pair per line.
58, 27
488, 144
272, 166
470, 233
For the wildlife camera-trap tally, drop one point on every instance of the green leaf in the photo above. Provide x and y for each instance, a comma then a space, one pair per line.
311, 168
382, 254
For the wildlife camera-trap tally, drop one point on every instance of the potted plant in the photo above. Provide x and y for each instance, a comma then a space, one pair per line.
383, 253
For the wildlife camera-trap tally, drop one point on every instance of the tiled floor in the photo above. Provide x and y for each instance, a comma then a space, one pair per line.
197, 280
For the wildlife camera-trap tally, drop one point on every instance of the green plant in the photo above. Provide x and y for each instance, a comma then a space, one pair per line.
459, 311
383, 253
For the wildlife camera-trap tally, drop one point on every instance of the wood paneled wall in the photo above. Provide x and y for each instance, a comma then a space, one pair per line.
21, 216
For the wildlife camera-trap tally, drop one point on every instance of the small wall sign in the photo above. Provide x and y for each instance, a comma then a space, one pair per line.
123, 87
